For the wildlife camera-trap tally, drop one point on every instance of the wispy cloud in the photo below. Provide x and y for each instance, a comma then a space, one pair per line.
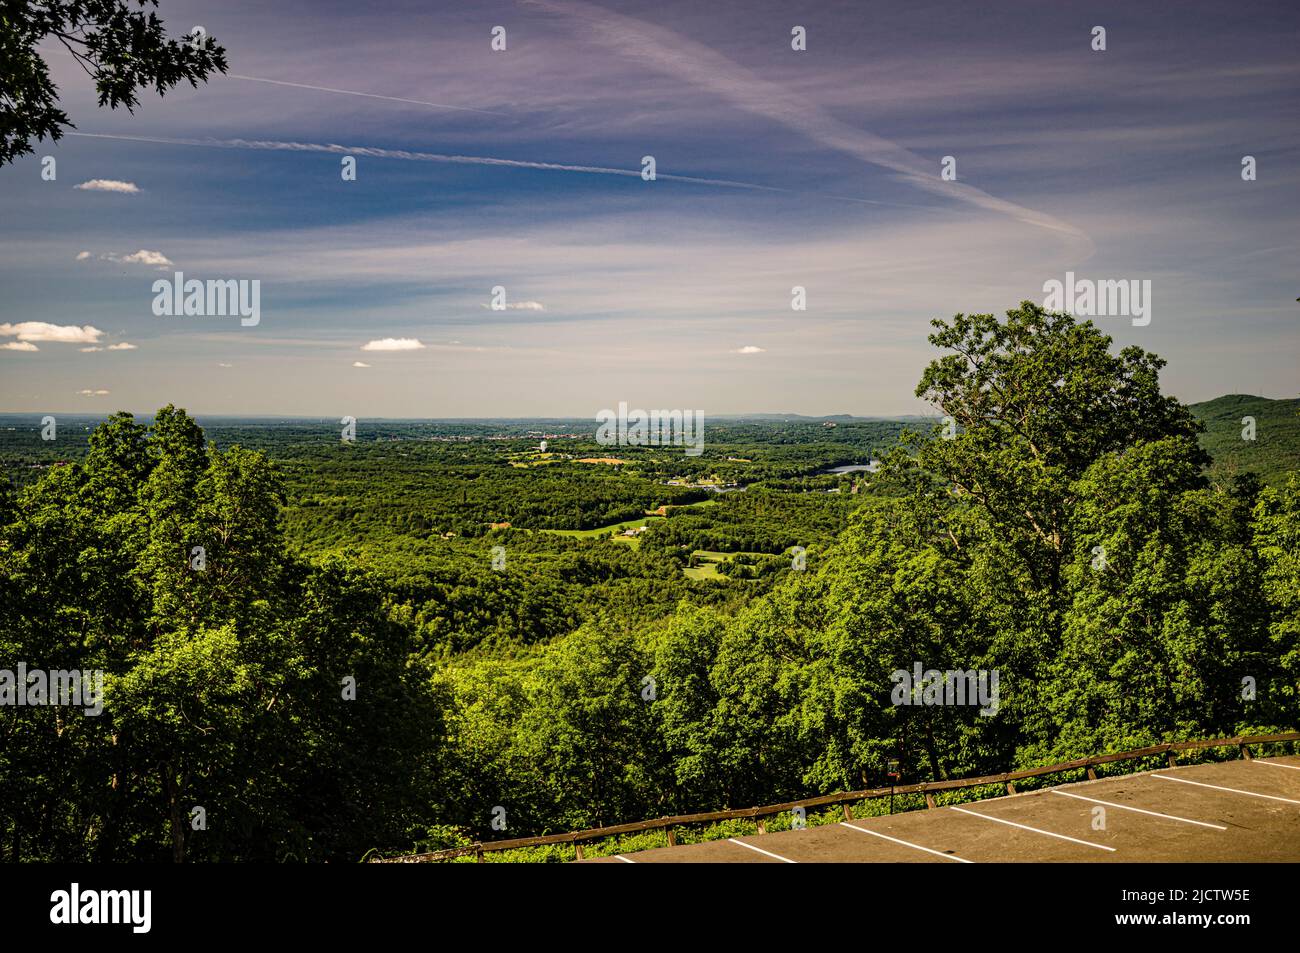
517, 306
750, 349
353, 92
92, 393
18, 346
678, 55
360, 364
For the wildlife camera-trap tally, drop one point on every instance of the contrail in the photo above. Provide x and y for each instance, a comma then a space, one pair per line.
350, 92
408, 156
353, 92
702, 66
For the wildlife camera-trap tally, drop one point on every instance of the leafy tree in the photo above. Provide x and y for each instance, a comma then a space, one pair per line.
590, 730
222, 683
1277, 540
1037, 398
685, 699
122, 49
1166, 620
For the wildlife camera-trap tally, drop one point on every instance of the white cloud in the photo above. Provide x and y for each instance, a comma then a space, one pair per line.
750, 349
359, 364
393, 344
219, 364
123, 346
18, 346
88, 350
93, 393
519, 306
108, 185
41, 331
142, 257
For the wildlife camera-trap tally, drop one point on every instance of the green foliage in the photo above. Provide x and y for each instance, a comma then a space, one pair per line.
1277, 541
122, 49
1068, 537
222, 684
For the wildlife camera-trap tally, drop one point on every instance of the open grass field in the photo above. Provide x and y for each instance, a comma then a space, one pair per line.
602, 530
710, 560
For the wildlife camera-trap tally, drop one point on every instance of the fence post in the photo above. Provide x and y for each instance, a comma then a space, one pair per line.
1173, 759
929, 800
1011, 788
672, 836
578, 849
848, 812
1245, 753
762, 825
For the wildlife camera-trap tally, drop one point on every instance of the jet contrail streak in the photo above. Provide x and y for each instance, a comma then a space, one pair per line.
403, 154
703, 67
353, 92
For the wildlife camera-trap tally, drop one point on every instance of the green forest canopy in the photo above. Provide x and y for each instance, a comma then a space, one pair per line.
1067, 537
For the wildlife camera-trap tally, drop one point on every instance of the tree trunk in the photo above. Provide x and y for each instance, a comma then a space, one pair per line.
177, 818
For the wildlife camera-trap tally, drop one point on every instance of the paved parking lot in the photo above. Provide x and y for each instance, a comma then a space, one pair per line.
1236, 811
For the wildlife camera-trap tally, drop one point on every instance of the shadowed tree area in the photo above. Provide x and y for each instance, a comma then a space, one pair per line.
160, 561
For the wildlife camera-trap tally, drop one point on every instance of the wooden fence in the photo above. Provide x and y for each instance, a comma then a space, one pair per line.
759, 814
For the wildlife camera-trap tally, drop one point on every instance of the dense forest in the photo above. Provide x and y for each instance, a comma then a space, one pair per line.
367, 657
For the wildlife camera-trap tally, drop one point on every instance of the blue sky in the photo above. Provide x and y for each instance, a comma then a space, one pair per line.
823, 171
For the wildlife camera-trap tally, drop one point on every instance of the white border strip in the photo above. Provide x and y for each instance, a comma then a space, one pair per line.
624, 859
1126, 807
937, 853
761, 851
1199, 784
1026, 827
1276, 764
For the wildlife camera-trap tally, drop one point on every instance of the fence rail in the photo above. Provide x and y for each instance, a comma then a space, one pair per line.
928, 788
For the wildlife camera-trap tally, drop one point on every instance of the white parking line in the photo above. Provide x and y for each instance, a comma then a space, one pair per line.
1276, 764
761, 851
624, 859
1026, 827
937, 853
1138, 810
1166, 777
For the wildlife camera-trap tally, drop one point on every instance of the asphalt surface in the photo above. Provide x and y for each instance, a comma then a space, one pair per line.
1230, 812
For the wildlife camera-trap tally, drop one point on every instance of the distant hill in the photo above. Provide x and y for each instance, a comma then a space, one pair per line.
1275, 451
